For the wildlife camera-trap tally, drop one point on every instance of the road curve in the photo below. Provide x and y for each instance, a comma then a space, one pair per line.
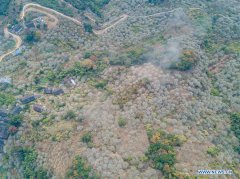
46, 10
122, 18
16, 38
42, 8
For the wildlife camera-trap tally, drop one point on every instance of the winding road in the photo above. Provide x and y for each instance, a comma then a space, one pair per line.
45, 10
16, 38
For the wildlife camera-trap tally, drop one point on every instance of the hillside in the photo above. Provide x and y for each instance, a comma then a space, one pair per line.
119, 89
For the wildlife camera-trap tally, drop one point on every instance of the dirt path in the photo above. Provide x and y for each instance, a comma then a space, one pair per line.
45, 10
16, 38
156, 14
122, 18
32, 9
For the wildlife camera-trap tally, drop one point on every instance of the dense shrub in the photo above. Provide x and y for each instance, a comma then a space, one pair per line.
162, 153
122, 122
87, 68
87, 138
214, 92
56, 5
4, 6
27, 157
32, 36
88, 27
235, 126
16, 120
6, 99
80, 169
156, 1
131, 56
70, 115
94, 5
186, 61
213, 151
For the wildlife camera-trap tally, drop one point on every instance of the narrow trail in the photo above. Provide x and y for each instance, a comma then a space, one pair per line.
16, 38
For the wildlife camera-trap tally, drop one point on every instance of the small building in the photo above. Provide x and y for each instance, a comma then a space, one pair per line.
3, 131
48, 91
38, 108
16, 110
3, 113
57, 92
28, 99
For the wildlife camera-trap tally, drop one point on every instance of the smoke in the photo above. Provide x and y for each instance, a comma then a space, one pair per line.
165, 55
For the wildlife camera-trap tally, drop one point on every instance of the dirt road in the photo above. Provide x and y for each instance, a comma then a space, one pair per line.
16, 38
45, 10
122, 18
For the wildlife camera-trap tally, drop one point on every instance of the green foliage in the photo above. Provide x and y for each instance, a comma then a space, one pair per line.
88, 27
56, 5
87, 137
235, 127
6, 99
94, 5
32, 36
215, 92
3, 173
70, 115
4, 6
87, 55
187, 61
101, 84
27, 157
162, 153
16, 120
122, 122
156, 1
80, 169
213, 151
131, 56
88, 69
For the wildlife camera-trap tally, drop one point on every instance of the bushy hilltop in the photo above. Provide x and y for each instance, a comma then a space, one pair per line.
141, 89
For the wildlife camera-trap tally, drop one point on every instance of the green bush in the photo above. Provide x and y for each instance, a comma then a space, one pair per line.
87, 138
32, 36
88, 27
80, 169
87, 69
122, 122
235, 127
16, 120
215, 92
4, 6
27, 157
55, 4
70, 115
93, 5
213, 151
6, 99
186, 61
101, 84
132, 56
161, 151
